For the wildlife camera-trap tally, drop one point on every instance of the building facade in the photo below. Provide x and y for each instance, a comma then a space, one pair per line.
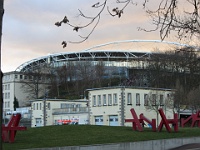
47, 112
111, 106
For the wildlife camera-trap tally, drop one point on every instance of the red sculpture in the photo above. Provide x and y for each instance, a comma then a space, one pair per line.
166, 121
9, 131
136, 123
195, 119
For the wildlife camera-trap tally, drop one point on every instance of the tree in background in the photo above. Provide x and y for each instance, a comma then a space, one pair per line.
155, 100
179, 16
15, 103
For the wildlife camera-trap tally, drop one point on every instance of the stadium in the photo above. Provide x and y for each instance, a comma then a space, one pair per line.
118, 53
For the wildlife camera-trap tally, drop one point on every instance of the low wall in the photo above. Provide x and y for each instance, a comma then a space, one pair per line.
164, 144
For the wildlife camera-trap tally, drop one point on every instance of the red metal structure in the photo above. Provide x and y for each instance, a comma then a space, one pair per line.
9, 131
136, 123
166, 122
152, 123
195, 119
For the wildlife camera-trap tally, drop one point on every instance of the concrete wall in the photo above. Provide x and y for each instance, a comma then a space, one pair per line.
164, 144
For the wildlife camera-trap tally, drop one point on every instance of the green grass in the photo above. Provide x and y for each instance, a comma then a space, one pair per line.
71, 135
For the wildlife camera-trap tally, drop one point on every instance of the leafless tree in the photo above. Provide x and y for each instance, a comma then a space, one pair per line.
158, 99
168, 16
36, 81
194, 99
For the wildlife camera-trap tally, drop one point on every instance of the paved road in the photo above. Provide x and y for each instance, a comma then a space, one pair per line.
195, 146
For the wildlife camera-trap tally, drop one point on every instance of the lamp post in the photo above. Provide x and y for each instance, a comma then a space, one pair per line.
1, 74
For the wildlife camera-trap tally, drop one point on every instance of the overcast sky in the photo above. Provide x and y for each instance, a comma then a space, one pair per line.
29, 31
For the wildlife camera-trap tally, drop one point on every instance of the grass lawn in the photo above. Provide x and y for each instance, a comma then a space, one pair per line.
71, 135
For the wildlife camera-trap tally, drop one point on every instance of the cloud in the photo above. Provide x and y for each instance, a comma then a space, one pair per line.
29, 31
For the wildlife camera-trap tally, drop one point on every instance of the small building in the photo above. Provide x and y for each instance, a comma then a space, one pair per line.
47, 112
111, 106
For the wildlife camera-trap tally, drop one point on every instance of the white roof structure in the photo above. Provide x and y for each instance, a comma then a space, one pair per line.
113, 51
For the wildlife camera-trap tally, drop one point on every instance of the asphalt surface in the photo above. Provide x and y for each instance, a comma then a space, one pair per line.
194, 146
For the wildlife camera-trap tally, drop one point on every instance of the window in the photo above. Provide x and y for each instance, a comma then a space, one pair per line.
16, 76
37, 106
21, 76
161, 100
137, 99
40, 106
49, 106
104, 100
99, 100
8, 95
5, 87
146, 97
8, 104
115, 98
154, 99
109, 99
94, 100
129, 100
34, 106
8, 86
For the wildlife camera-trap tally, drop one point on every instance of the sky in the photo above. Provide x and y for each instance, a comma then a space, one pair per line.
29, 32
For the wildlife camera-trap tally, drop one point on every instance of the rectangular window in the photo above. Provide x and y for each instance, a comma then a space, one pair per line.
8, 104
94, 100
153, 100
21, 76
109, 99
16, 76
129, 99
146, 97
5, 87
8, 95
34, 106
104, 100
115, 98
37, 106
137, 99
161, 100
49, 106
99, 100
40, 106
8, 86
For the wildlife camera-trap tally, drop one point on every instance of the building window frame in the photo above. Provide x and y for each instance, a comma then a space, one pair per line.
137, 99
104, 100
94, 100
129, 98
110, 99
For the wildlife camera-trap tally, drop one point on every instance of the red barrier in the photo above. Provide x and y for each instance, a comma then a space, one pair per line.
166, 122
195, 119
9, 131
136, 123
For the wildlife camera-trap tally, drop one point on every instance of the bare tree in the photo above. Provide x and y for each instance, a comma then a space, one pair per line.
36, 81
156, 100
168, 16
194, 99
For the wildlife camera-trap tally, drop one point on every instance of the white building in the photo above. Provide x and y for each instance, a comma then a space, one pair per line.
12, 87
111, 106
58, 112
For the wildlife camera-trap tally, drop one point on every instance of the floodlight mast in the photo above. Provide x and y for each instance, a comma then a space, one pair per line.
1, 74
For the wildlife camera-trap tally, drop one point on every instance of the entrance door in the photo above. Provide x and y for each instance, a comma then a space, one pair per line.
99, 120
113, 120
38, 122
